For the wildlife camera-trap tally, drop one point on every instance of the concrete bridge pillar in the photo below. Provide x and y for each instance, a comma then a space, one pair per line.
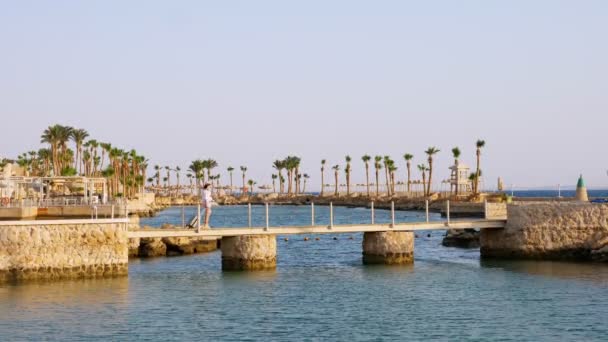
388, 248
249, 252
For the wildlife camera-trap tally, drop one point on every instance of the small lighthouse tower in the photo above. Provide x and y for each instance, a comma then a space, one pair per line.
581, 190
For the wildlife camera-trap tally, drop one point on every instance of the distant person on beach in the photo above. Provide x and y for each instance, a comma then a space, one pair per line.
207, 202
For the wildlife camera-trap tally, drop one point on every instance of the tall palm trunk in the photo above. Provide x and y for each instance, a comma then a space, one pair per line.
409, 172
424, 182
476, 184
428, 187
348, 183
377, 182
336, 184
289, 181
367, 177
243, 182
231, 182
297, 180
322, 181
388, 190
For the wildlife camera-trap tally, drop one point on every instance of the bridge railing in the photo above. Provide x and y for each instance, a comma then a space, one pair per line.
490, 212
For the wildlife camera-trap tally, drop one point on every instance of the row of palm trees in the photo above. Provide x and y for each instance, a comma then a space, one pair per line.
124, 170
200, 171
292, 182
388, 164
291, 164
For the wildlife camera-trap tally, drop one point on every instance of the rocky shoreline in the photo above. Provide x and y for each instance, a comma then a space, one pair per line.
169, 246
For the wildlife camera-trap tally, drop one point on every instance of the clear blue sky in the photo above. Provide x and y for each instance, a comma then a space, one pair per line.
246, 82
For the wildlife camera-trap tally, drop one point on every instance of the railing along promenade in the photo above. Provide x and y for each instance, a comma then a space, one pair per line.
63, 208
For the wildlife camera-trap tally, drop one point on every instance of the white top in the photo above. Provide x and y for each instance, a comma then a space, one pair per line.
206, 198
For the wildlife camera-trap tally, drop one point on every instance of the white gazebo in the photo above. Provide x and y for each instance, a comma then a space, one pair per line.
459, 179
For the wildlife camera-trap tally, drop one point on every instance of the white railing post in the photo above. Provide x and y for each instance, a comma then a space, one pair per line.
485, 209
267, 218
112, 211
249, 214
392, 214
183, 217
447, 213
331, 215
373, 213
426, 203
198, 218
312, 213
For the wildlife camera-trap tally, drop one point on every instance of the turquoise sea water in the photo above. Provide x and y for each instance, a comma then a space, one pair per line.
319, 291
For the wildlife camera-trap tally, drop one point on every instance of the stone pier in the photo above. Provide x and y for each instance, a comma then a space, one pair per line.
389, 248
550, 231
249, 252
62, 249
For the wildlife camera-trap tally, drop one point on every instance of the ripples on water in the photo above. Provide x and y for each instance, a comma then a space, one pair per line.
320, 291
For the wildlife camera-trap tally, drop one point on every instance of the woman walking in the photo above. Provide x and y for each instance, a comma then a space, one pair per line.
207, 203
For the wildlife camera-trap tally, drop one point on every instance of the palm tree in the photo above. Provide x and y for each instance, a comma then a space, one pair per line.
210, 164
78, 136
473, 177
422, 168
177, 170
456, 154
430, 152
279, 165
386, 160
378, 167
291, 164
230, 169
347, 172
408, 163
105, 148
336, 169
65, 133
197, 167
251, 183
56, 136
297, 176
243, 170
93, 144
44, 154
217, 180
366, 160
168, 182
391, 169
479, 145
323, 161
156, 175
306, 176
189, 176
274, 181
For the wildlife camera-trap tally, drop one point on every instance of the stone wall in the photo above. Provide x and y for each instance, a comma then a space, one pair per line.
575, 231
496, 211
62, 249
